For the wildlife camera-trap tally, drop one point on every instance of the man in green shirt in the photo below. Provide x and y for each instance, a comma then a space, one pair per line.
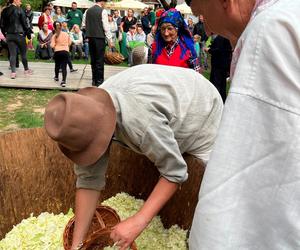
74, 16
152, 16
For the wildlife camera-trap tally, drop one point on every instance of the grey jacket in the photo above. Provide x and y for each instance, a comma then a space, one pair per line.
162, 112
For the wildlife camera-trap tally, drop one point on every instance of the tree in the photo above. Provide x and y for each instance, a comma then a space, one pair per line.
167, 5
35, 4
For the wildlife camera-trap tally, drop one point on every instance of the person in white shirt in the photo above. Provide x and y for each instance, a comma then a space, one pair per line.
140, 34
118, 20
250, 193
151, 36
130, 37
97, 30
113, 28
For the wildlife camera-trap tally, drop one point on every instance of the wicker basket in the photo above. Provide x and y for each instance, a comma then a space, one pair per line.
101, 239
113, 57
104, 217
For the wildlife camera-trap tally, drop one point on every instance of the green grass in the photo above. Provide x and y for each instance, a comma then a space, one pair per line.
28, 119
23, 108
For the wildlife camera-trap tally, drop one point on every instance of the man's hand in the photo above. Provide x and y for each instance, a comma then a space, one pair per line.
127, 231
111, 44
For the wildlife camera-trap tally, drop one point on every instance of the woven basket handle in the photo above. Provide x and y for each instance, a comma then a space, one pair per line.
100, 220
88, 242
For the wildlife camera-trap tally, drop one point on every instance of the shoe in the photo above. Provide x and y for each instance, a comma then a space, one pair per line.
28, 72
13, 75
63, 84
56, 79
73, 70
98, 83
1, 74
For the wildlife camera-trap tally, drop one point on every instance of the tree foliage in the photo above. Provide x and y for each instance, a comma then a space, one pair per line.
168, 4
35, 4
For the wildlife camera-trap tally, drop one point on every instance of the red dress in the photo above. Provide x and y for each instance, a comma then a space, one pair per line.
174, 59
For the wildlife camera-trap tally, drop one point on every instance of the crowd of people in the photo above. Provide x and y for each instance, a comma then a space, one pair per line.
168, 38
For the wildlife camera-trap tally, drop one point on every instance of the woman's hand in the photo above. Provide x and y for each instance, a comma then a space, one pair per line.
128, 230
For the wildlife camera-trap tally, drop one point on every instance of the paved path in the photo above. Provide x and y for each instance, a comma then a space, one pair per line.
43, 74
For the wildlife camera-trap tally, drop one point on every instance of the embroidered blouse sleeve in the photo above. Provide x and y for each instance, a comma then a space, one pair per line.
195, 64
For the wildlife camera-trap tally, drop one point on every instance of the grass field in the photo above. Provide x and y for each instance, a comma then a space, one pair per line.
22, 108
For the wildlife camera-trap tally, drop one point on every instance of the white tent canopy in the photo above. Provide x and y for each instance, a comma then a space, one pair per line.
183, 8
126, 4
68, 3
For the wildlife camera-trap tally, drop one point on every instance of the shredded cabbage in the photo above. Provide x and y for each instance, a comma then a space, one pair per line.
37, 233
45, 231
155, 236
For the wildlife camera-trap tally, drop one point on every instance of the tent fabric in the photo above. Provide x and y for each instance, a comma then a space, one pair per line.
126, 4
183, 8
84, 4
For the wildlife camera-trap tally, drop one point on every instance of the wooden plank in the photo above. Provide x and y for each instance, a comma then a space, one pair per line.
43, 73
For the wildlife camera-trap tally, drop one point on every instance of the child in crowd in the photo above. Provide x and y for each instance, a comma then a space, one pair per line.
197, 40
130, 37
60, 42
64, 24
65, 28
140, 34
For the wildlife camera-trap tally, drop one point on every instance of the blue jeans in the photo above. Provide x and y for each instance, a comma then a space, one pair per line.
86, 50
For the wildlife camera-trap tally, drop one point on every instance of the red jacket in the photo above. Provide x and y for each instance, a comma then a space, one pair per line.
174, 59
44, 18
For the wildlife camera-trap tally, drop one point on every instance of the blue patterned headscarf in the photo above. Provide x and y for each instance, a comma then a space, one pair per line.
186, 41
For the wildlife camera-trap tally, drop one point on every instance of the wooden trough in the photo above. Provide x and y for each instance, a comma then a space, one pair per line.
35, 177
